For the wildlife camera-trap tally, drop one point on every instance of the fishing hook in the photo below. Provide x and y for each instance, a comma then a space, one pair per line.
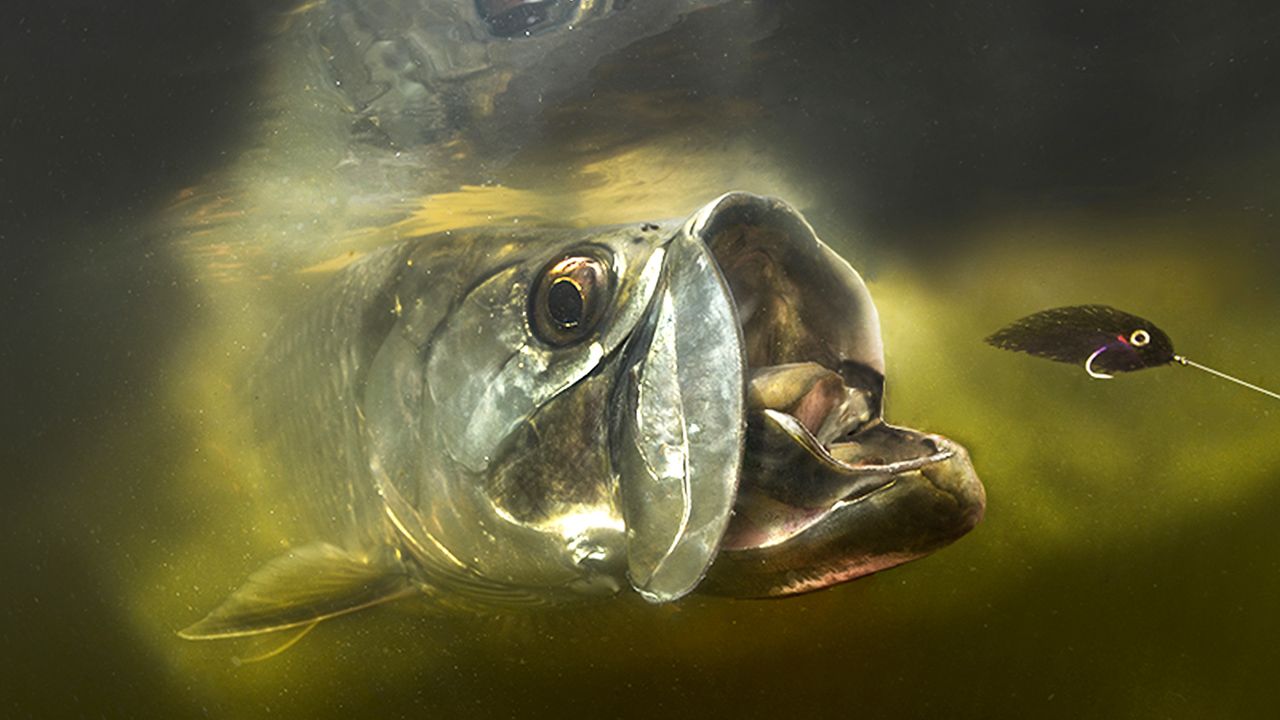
1088, 364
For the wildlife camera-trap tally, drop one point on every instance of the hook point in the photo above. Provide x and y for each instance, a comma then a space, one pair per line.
1088, 365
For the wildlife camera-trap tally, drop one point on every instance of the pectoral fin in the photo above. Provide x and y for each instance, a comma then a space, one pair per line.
302, 587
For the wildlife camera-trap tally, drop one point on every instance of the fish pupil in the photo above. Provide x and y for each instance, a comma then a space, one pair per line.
565, 303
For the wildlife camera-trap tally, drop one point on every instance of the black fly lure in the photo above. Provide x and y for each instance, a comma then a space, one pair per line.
1101, 338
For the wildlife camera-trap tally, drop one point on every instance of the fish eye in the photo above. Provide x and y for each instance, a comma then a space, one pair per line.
1140, 338
569, 297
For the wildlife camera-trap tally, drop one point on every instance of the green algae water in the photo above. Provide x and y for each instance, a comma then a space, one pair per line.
976, 164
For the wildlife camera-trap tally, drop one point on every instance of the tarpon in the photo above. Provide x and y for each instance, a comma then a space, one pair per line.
501, 418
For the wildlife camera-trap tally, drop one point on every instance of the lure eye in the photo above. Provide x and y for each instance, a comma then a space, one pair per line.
1139, 338
570, 296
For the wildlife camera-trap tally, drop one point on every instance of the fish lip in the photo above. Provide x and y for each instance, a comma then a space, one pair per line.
869, 465
829, 483
912, 515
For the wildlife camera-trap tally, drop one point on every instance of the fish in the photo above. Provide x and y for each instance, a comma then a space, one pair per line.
1101, 338
503, 418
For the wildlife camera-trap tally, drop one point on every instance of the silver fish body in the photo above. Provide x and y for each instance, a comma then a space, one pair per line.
506, 418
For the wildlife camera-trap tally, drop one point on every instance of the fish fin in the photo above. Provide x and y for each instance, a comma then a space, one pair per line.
238, 661
302, 587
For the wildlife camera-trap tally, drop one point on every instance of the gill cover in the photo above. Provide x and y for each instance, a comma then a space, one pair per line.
679, 422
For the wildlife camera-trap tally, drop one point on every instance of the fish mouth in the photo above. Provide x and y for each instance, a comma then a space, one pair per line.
750, 452
811, 449
786, 538
828, 491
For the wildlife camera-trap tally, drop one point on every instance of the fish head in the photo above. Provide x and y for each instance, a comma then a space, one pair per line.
486, 409
680, 405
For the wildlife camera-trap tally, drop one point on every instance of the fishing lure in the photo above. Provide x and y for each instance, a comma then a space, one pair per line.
1104, 339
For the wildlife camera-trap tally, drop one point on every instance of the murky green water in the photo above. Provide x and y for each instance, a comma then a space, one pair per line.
977, 163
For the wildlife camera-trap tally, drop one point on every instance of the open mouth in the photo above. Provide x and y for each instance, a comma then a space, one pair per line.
796, 483
828, 491
813, 446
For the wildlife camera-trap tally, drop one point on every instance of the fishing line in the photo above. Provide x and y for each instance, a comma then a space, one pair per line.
1182, 360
